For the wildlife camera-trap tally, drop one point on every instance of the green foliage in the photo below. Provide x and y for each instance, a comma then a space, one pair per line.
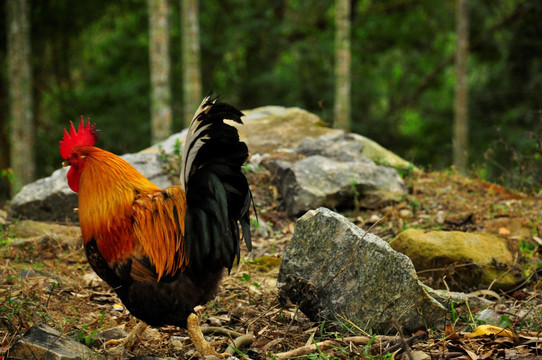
116, 45
177, 148
91, 59
414, 205
254, 223
246, 278
527, 248
4, 239
18, 308
367, 351
84, 337
454, 314
517, 166
87, 336
7, 174
505, 322
356, 196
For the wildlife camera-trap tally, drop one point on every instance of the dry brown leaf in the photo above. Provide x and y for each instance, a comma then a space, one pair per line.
529, 340
471, 354
487, 355
450, 332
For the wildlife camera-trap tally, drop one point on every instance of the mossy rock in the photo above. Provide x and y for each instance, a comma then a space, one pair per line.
470, 261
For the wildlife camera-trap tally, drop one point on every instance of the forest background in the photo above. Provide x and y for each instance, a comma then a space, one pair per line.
91, 58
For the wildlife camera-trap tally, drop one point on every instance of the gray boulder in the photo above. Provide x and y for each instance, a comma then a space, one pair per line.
51, 199
47, 199
332, 268
319, 181
334, 174
168, 146
44, 342
336, 146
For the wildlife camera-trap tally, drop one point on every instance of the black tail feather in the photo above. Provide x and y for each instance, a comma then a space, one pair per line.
217, 193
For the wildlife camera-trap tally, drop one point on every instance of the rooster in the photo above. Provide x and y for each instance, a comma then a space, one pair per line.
164, 251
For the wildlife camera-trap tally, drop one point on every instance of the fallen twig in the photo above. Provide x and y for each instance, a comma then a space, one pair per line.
410, 341
445, 354
323, 345
217, 330
304, 350
485, 292
406, 346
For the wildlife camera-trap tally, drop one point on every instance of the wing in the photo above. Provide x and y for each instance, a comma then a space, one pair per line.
217, 194
158, 231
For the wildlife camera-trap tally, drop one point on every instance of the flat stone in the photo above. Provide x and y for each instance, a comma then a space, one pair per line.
45, 343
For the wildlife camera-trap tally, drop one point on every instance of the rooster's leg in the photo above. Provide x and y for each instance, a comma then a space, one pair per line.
130, 340
201, 345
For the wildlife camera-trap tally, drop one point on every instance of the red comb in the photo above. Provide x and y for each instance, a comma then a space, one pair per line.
86, 135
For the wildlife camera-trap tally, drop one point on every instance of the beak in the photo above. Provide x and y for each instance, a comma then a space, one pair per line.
65, 163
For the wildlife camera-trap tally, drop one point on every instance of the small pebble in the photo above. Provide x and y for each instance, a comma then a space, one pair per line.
440, 217
178, 342
489, 316
215, 322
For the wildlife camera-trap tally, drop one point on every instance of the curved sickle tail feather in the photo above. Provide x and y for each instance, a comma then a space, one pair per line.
218, 197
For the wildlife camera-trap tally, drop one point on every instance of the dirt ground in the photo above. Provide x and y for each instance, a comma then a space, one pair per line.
46, 280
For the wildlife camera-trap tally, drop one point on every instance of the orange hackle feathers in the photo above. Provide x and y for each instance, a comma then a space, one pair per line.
130, 214
86, 135
105, 202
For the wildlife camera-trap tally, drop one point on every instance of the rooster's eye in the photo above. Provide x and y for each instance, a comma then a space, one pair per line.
77, 157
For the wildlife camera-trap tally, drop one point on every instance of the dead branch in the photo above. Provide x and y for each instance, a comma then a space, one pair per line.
217, 330
323, 345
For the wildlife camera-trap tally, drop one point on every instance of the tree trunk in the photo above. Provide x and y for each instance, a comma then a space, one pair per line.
342, 64
190, 59
20, 94
4, 147
159, 69
460, 140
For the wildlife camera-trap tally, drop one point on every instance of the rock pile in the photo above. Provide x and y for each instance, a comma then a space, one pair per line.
331, 169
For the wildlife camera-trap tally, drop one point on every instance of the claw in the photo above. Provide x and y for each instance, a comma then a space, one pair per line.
205, 349
131, 339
